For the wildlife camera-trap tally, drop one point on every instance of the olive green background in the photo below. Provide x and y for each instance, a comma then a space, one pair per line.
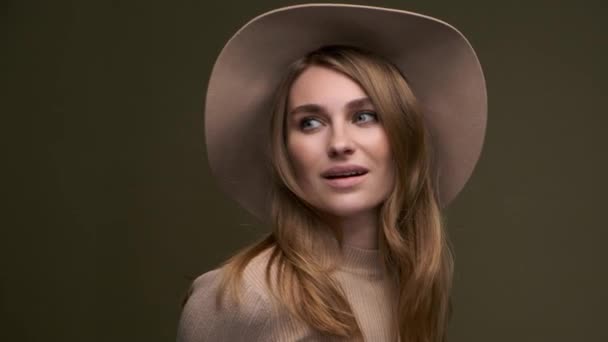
110, 210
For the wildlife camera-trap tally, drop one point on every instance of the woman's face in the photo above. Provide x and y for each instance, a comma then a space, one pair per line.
339, 149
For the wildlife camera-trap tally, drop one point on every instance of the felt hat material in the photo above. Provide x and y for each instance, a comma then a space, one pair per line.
439, 63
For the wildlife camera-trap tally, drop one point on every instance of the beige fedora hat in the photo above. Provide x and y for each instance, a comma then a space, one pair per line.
439, 63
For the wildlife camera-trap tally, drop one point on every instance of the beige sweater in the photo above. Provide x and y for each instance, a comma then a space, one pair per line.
367, 287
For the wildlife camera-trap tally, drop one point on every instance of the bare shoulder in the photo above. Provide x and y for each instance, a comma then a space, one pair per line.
202, 319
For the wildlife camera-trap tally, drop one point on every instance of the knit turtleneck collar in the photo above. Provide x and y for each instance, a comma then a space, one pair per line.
362, 261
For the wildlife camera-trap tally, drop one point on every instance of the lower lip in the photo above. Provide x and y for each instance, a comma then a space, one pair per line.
346, 182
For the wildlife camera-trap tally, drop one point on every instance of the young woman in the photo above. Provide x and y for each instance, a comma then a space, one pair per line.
361, 161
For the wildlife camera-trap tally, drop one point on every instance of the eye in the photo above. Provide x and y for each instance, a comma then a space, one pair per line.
308, 124
364, 117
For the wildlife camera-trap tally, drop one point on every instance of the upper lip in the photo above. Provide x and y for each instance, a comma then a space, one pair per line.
342, 169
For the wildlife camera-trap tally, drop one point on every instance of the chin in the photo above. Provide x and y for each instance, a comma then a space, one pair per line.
347, 208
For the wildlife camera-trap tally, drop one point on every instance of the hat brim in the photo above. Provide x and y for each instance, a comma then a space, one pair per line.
437, 60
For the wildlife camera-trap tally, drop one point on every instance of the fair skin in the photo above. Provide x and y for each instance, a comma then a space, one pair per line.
340, 152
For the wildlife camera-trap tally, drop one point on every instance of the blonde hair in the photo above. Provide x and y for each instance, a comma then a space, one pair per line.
412, 240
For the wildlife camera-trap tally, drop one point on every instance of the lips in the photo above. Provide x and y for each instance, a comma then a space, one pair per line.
344, 171
344, 177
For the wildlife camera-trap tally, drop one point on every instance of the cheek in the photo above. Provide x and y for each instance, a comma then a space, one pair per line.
384, 158
302, 154
381, 150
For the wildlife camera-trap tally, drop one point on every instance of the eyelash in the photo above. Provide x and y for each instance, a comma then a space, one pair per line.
374, 117
370, 113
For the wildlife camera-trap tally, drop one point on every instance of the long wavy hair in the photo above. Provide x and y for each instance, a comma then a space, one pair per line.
412, 240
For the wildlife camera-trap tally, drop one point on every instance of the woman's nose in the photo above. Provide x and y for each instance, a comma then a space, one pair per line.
340, 143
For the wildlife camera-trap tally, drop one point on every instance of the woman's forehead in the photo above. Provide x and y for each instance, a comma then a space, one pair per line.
325, 87
313, 108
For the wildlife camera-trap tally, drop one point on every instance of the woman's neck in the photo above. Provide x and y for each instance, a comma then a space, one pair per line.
359, 230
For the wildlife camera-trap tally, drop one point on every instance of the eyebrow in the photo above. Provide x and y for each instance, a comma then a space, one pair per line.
314, 108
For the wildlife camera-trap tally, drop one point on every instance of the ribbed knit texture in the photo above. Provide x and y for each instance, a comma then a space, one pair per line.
368, 289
